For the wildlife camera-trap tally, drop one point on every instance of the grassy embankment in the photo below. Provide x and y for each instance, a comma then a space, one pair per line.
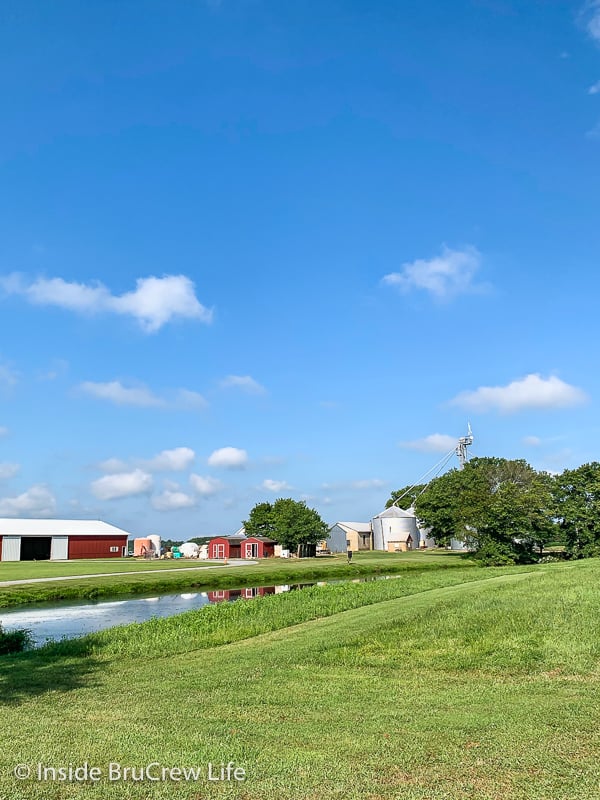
266, 572
447, 685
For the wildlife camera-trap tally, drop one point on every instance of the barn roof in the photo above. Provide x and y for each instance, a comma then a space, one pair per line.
58, 527
359, 527
264, 539
232, 539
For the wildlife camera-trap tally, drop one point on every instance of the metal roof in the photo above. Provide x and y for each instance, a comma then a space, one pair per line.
399, 536
359, 527
394, 511
265, 539
58, 527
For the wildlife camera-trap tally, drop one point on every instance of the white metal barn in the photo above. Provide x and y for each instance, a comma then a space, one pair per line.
60, 539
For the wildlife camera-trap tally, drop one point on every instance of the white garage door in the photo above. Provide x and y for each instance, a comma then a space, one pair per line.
59, 550
11, 548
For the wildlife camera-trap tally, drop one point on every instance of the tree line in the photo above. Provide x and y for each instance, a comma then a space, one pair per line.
507, 512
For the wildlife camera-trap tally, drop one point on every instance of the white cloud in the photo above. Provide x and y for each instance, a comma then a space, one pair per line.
171, 500
369, 483
122, 484
4, 432
112, 465
275, 486
594, 133
244, 382
115, 392
8, 377
205, 485
153, 303
58, 368
595, 89
533, 391
532, 441
444, 276
593, 19
156, 301
8, 470
38, 501
434, 443
359, 485
175, 460
143, 397
193, 401
228, 458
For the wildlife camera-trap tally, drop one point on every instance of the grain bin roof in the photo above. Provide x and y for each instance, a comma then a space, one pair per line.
58, 527
394, 511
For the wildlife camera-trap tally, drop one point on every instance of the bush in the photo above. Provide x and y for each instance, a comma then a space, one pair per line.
14, 641
495, 554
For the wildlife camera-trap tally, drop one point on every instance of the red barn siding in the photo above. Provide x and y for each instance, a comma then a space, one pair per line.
96, 546
222, 547
218, 596
265, 549
214, 551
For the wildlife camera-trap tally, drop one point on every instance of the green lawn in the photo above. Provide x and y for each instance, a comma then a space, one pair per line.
266, 572
442, 684
20, 570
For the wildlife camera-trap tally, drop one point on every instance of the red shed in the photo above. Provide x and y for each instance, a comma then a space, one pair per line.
258, 547
225, 547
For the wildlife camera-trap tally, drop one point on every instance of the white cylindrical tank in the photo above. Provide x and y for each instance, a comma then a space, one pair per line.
395, 529
203, 551
189, 550
155, 539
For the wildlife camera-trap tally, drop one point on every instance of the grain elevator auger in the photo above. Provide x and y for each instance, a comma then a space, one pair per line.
462, 447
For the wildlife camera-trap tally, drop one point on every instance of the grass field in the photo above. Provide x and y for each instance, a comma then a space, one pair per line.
24, 570
436, 685
266, 572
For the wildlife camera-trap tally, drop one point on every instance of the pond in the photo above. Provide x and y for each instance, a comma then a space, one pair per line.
66, 619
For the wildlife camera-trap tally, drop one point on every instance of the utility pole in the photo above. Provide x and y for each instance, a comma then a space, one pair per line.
461, 448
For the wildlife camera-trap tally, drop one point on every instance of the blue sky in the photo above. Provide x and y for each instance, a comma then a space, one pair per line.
255, 249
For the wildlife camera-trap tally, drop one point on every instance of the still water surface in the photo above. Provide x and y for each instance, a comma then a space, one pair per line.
48, 621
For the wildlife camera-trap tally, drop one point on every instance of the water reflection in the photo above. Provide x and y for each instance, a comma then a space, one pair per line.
48, 621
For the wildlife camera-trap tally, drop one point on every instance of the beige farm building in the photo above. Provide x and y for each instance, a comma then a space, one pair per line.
353, 536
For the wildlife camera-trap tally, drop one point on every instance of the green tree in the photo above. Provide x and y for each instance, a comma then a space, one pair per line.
503, 509
577, 497
289, 522
260, 521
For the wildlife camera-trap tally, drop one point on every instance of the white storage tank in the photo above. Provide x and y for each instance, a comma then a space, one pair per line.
395, 530
156, 544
